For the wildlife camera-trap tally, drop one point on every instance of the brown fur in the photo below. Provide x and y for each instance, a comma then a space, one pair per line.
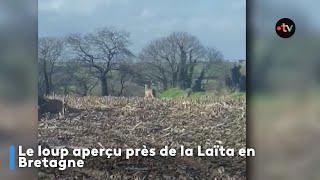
149, 92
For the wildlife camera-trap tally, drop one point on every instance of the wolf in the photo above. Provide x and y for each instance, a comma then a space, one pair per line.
149, 91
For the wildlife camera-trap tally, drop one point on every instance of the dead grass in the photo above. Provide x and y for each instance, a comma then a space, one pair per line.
134, 122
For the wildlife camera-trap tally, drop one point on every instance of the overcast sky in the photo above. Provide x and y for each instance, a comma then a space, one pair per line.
217, 23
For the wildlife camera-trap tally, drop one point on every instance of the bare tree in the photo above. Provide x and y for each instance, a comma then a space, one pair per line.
102, 51
82, 78
122, 78
191, 51
212, 57
162, 58
49, 52
174, 58
125, 74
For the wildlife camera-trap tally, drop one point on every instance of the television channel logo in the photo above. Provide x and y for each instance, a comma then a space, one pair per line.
285, 28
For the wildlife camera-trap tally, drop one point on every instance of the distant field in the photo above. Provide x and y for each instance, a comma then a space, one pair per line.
173, 93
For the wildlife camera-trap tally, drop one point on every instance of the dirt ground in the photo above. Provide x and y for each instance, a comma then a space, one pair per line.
133, 122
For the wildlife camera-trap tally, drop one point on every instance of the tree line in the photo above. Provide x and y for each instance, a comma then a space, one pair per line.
102, 59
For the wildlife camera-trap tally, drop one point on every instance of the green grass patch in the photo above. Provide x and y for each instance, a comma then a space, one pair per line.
176, 93
238, 95
172, 93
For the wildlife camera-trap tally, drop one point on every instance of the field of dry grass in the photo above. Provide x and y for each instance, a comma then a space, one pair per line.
134, 122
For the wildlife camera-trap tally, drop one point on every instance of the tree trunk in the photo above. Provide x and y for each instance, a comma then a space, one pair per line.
46, 79
198, 83
85, 89
189, 76
104, 85
50, 82
174, 79
122, 87
182, 70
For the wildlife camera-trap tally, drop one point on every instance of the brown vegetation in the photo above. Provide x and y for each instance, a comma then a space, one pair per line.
134, 122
